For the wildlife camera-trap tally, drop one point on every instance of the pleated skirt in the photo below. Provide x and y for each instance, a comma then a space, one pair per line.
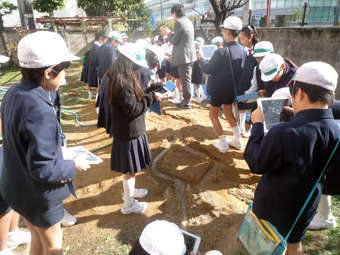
85, 74
130, 156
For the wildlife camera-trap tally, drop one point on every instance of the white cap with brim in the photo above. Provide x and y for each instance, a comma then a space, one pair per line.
155, 39
282, 92
199, 41
135, 53
232, 23
217, 40
263, 48
43, 49
143, 43
3, 59
270, 66
161, 237
116, 36
158, 51
123, 35
318, 74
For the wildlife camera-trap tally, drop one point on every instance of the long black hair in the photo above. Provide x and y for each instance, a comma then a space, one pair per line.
101, 33
251, 31
123, 73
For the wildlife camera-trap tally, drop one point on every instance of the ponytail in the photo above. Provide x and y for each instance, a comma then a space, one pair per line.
251, 31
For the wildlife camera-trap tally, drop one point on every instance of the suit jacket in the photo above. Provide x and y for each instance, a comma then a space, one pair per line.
183, 41
93, 69
107, 54
34, 172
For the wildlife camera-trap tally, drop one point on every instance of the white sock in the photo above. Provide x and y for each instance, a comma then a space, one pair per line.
176, 94
90, 93
13, 233
129, 189
201, 91
181, 96
96, 97
325, 207
198, 92
222, 138
242, 120
236, 132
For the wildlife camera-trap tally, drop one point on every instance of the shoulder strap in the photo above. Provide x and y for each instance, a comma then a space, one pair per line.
315, 186
232, 71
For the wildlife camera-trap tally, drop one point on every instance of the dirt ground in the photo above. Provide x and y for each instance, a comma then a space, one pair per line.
190, 183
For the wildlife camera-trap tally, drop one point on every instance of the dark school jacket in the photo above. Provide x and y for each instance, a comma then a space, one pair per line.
271, 86
220, 83
107, 54
34, 172
290, 159
93, 68
127, 114
104, 116
247, 75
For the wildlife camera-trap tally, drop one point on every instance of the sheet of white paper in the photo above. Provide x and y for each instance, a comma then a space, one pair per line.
79, 151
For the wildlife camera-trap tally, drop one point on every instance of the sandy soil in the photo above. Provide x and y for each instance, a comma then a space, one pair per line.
190, 183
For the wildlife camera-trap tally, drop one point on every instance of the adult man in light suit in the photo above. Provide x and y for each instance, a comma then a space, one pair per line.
183, 53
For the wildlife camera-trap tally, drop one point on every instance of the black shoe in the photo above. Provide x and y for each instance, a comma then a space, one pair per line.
182, 106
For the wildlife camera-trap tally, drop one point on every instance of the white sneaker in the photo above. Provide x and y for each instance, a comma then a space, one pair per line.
246, 134
6, 252
20, 237
203, 97
139, 193
197, 100
92, 96
222, 147
68, 219
175, 101
207, 105
242, 130
319, 222
137, 207
223, 116
236, 144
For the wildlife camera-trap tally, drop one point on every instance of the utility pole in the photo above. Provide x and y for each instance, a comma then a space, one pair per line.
161, 10
268, 12
304, 15
249, 19
336, 14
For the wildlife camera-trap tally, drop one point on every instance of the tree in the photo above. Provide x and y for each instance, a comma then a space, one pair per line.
221, 8
135, 11
5, 8
165, 23
48, 5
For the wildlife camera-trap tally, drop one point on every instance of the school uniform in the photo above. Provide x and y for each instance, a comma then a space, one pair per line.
130, 149
174, 72
4, 206
93, 68
104, 115
107, 54
35, 179
144, 77
220, 85
197, 76
246, 77
291, 158
272, 86
85, 72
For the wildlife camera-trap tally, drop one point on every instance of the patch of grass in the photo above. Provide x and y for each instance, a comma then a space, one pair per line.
10, 75
110, 245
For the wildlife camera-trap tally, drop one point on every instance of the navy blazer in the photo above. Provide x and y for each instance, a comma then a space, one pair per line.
291, 158
221, 83
34, 173
93, 69
107, 54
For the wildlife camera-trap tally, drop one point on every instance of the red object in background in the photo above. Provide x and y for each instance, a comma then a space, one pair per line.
268, 8
208, 10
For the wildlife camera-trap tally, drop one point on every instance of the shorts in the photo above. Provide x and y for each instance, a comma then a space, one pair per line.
218, 102
4, 207
41, 217
167, 67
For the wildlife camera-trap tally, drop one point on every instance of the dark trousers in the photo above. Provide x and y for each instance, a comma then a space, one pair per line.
185, 76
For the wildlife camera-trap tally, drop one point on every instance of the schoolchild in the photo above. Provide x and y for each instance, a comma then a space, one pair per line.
167, 48
35, 178
107, 53
292, 155
85, 72
218, 41
197, 76
248, 38
161, 70
124, 38
276, 72
220, 86
175, 78
101, 38
130, 149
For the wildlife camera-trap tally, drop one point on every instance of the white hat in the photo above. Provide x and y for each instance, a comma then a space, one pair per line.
3, 59
155, 39
262, 49
214, 252
123, 35
270, 66
143, 43
116, 36
43, 49
135, 53
161, 237
282, 92
232, 23
319, 74
217, 40
199, 40
158, 51
148, 40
